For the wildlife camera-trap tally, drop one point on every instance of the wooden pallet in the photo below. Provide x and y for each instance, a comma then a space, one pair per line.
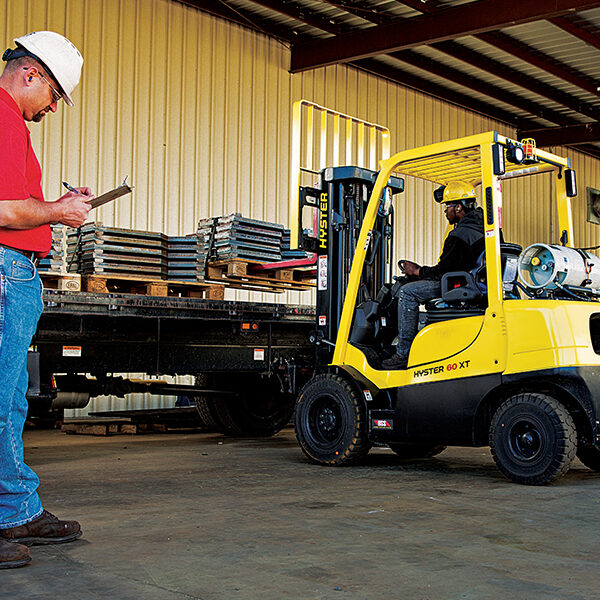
52, 280
147, 286
237, 273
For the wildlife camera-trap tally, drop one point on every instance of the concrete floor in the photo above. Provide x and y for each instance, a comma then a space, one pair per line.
172, 516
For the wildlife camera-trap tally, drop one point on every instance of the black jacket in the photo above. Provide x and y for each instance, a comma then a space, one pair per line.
462, 247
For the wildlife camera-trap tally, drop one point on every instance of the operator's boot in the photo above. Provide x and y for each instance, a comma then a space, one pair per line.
394, 363
13, 555
46, 529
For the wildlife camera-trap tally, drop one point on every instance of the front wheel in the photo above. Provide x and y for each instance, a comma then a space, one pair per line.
330, 421
533, 439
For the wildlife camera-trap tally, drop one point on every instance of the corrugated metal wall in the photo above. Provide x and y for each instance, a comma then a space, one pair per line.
197, 111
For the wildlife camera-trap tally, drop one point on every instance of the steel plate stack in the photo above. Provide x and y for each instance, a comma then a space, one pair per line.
186, 258
56, 259
234, 236
97, 250
286, 252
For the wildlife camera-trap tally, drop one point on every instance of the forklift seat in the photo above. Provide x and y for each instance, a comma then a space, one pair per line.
464, 292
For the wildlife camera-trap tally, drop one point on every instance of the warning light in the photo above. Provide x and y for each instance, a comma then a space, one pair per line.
246, 326
529, 148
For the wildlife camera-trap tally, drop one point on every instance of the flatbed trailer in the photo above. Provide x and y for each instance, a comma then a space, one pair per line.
248, 359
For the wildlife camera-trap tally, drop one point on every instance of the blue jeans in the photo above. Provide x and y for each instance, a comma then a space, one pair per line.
410, 296
20, 310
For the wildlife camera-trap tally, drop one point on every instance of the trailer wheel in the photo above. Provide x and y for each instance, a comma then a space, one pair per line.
257, 408
330, 421
590, 457
408, 451
533, 439
205, 405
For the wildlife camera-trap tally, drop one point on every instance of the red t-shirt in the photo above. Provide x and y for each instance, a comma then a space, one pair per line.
20, 176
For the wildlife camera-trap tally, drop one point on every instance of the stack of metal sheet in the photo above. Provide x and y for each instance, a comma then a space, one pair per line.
234, 236
95, 249
186, 258
286, 252
56, 259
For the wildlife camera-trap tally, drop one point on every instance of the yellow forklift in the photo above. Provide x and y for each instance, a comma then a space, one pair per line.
509, 356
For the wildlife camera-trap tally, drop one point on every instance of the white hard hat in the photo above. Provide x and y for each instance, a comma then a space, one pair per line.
58, 55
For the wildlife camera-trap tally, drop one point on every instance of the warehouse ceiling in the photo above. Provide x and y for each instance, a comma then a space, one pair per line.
533, 64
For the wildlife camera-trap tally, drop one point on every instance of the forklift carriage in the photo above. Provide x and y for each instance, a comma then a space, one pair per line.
501, 362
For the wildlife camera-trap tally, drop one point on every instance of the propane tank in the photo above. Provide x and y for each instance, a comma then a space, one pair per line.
544, 266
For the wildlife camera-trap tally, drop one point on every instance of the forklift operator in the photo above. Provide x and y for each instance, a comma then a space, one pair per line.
463, 246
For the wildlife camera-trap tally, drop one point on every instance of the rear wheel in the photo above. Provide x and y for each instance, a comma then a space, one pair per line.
330, 421
255, 407
408, 451
590, 457
533, 439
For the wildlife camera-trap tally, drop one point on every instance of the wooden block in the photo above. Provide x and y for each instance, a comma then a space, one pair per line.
214, 272
237, 269
85, 429
129, 428
70, 283
95, 285
113, 427
285, 275
157, 289
216, 292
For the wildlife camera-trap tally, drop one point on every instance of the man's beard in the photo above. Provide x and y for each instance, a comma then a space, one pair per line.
40, 115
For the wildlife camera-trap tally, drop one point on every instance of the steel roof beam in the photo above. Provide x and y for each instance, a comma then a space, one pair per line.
483, 87
466, 19
583, 34
407, 79
512, 46
570, 135
303, 14
362, 10
511, 75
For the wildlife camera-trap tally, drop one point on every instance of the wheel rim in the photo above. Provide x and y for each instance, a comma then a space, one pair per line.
325, 418
526, 440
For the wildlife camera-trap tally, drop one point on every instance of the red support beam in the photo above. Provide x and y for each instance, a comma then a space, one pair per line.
466, 19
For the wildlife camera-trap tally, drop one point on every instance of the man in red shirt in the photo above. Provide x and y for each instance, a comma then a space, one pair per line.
44, 68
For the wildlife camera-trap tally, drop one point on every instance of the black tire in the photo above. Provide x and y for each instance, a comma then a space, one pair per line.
533, 439
590, 457
205, 404
409, 451
257, 406
330, 421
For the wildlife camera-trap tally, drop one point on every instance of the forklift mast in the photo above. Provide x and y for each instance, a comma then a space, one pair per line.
337, 207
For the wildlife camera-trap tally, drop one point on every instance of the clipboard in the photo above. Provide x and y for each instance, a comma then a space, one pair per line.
111, 195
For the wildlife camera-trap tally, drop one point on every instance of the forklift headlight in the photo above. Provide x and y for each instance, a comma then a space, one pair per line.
515, 154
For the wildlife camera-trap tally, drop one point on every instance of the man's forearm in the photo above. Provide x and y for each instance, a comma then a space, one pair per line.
27, 214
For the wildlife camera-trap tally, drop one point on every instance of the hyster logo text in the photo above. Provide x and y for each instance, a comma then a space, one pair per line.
323, 222
463, 364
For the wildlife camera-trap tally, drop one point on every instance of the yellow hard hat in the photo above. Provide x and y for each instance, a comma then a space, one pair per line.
457, 190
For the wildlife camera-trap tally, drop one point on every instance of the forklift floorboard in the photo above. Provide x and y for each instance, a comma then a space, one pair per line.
200, 516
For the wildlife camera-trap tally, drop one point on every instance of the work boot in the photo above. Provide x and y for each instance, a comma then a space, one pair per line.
394, 363
46, 529
13, 555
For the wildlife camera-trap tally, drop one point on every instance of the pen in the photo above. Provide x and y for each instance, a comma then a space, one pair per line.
72, 189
